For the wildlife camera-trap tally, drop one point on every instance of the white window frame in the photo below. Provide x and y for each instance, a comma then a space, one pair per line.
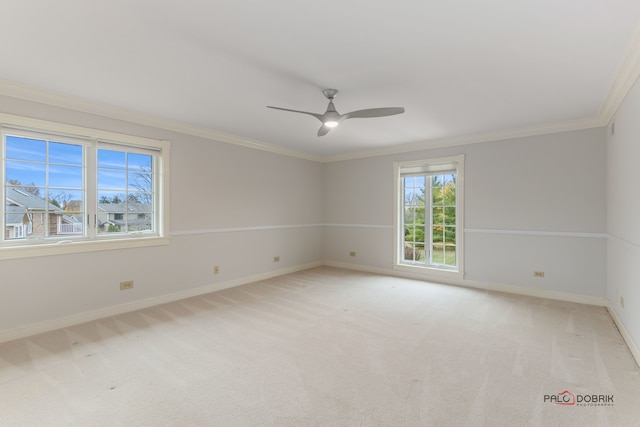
401, 167
91, 241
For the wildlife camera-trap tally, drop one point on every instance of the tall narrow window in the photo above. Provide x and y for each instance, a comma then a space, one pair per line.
429, 214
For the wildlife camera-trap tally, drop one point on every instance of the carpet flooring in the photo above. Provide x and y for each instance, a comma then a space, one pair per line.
329, 347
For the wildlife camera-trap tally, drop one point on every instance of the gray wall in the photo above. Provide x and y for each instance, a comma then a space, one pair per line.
534, 203
623, 214
230, 206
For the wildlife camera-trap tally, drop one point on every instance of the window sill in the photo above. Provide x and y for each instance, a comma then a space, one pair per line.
425, 271
28, 251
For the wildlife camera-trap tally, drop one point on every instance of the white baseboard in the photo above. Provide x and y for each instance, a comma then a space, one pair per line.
511, 289
633, 347
560, 296
89, 316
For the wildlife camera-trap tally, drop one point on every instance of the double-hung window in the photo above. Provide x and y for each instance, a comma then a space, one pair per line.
429, 215
70, 189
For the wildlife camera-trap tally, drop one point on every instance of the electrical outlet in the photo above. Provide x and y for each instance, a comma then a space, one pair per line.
126, 285
622, 302
538, 274
352, 253
216, 269
276, 259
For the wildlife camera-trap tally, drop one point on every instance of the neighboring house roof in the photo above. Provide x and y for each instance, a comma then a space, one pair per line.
15, 214
29, 201
124, 207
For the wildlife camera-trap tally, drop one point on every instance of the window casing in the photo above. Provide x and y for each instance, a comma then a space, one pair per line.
64, 186
428, 218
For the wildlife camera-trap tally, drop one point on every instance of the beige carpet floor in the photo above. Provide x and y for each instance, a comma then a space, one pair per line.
327, 347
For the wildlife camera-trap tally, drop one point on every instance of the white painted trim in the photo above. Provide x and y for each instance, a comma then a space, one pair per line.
495, 287
271, 227
240, 229
75, 319
537, 233
628, 339
625, 79
78, 246
359, 226
88, 316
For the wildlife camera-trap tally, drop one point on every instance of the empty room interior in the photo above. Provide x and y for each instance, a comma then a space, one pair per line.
348, 213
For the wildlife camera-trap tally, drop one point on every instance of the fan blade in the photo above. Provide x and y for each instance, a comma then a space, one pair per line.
323, 130
373, 112
317, 116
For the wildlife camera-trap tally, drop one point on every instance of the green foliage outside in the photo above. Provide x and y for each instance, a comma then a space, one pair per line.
443, 193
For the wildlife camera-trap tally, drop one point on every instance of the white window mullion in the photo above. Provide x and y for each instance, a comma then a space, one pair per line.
91, 203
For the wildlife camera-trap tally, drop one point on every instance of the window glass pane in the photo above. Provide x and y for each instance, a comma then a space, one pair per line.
21, 148
140, 181
65, 176
69, 154
449, 179
112, 159
139, 162
450, 194
437, 234
140, 201
436, 181
450, 216
450, 235
409, 233
68, 200
414, 252
419, 218
409, 215
70, 215
436, 196
112, 180
409, 196
437, 254
438, 216
449, 255
110, 197
26, 174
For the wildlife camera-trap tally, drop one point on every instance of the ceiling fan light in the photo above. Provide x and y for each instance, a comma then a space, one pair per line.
331, 124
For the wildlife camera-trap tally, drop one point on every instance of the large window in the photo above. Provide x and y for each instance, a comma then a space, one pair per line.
429, 220
63, 184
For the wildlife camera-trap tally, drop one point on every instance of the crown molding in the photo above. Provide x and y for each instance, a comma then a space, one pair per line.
15, 90
625, 79
543, 129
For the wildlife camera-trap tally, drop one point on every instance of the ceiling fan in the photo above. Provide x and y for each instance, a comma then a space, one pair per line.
331, 118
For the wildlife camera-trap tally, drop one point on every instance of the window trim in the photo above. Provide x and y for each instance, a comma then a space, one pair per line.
55, 247
398, 232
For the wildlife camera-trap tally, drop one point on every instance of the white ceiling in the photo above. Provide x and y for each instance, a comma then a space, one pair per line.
459, 67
